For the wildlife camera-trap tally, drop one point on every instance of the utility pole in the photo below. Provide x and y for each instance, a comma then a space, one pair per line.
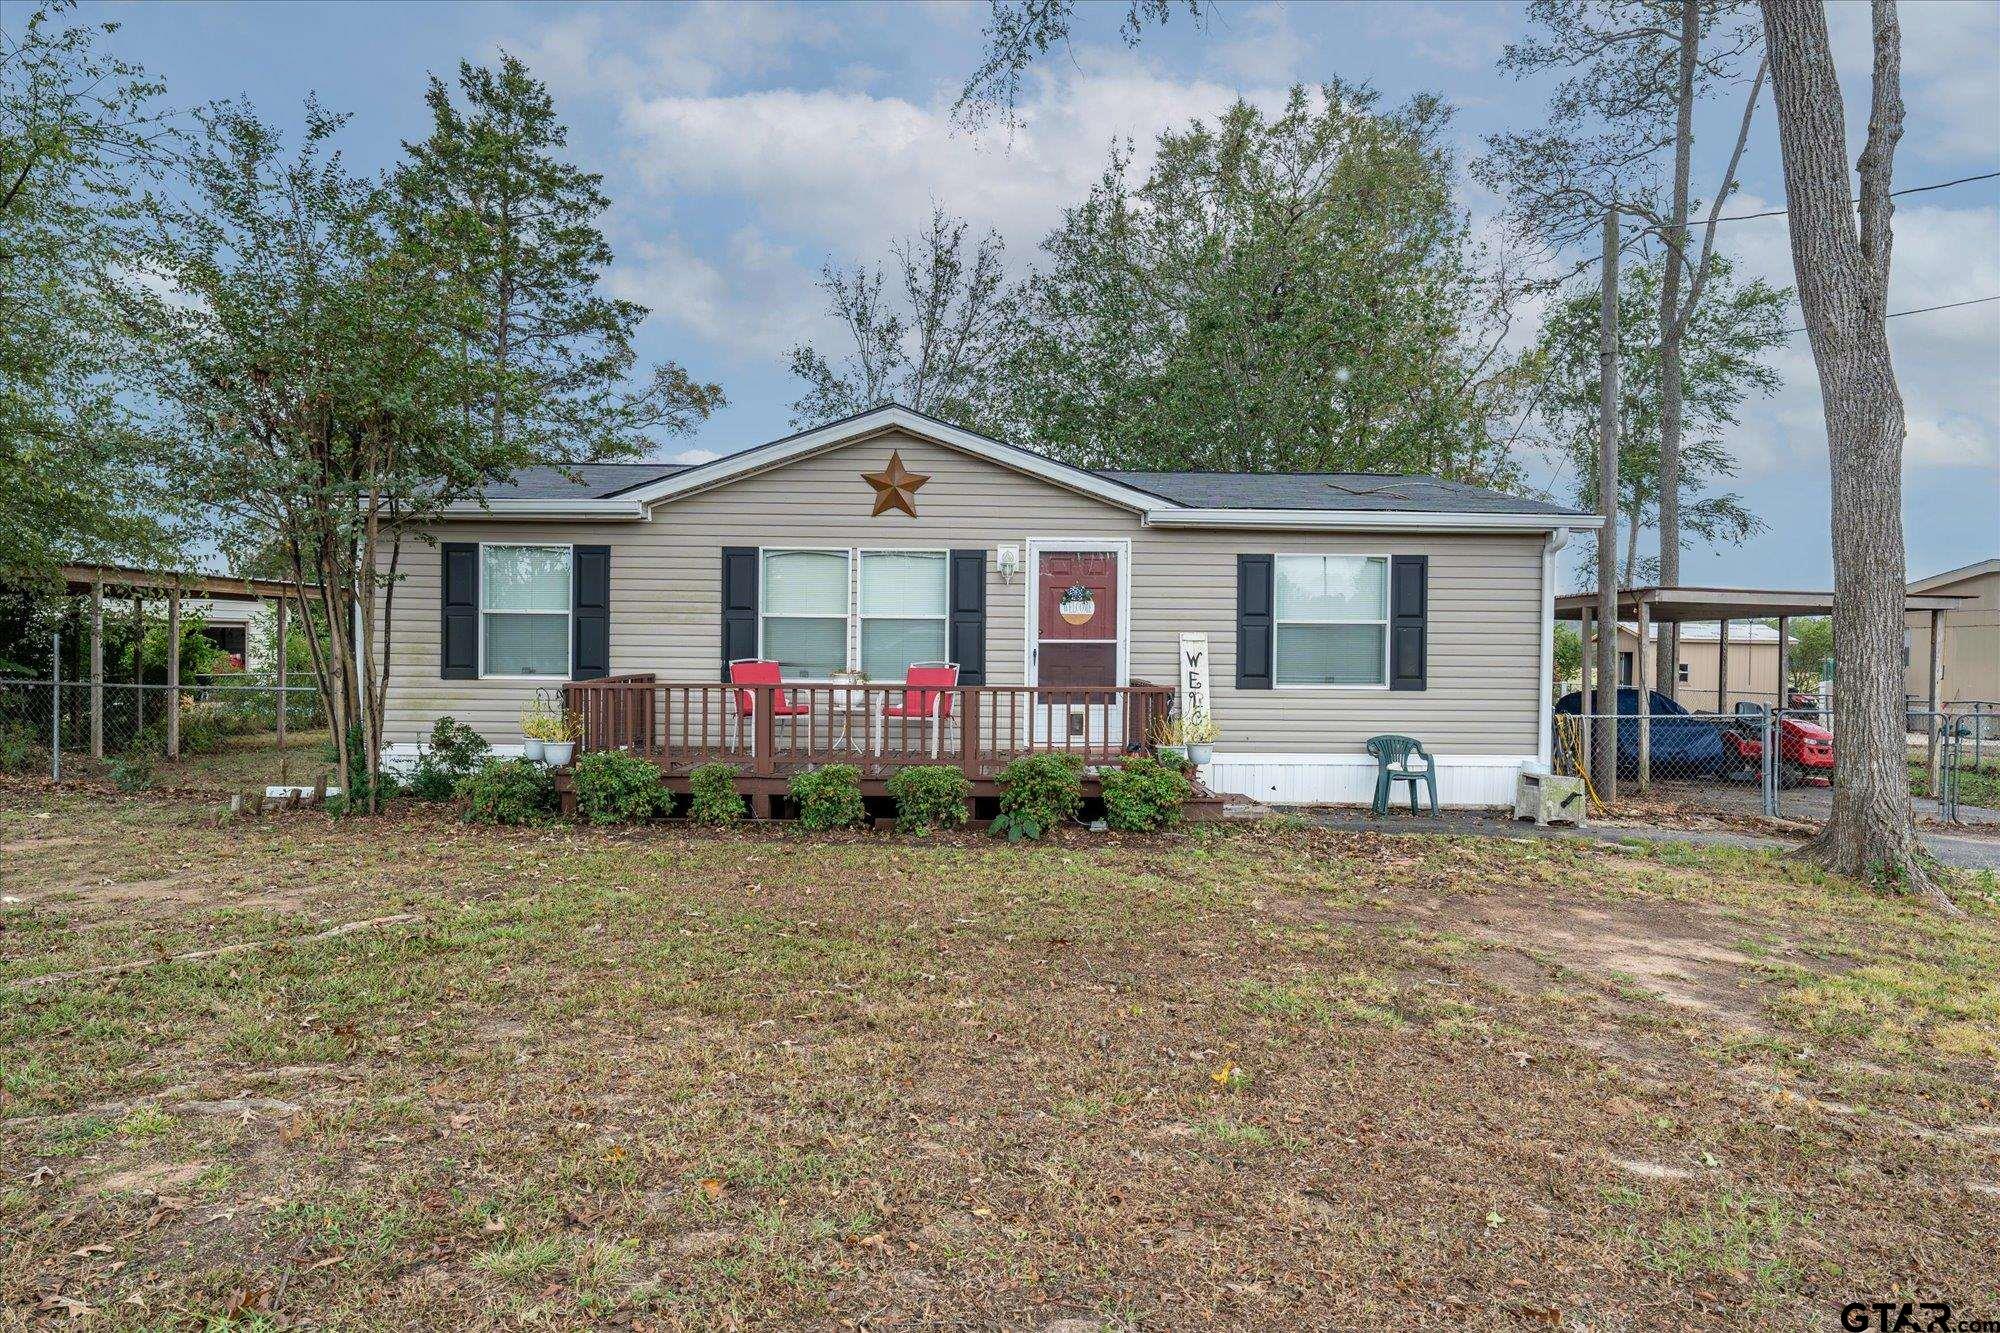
1607, 536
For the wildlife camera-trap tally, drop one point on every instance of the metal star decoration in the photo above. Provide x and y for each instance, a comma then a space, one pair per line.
895, 486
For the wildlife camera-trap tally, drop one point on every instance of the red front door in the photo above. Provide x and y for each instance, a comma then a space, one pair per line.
1076, 625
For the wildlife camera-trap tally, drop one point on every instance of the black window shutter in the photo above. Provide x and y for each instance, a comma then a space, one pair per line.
590, 612
1409, 615
967, 645
458, 635
1254, 621
739, 604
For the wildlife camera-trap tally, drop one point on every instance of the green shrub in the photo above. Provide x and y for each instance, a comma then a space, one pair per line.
712, 795
1144, 794
21, 751
829, 797
929, 797
455, 750
1037, 793
132, 772
614, 788
508, 791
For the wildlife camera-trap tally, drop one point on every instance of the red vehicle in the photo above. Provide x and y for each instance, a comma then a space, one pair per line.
1805, 749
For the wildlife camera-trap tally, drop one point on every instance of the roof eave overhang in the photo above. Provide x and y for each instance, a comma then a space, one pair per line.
1365, 520
549, 510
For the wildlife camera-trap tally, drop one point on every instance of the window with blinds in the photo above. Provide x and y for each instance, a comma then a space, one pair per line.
524, 610
804, 605
904, 606
1332, 620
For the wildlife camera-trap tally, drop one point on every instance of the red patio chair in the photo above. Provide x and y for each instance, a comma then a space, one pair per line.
761, 671
930, 704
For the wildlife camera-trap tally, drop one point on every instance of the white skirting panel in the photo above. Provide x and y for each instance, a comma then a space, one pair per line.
1349, 779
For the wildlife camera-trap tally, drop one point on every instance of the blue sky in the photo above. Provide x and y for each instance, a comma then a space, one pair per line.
745, 146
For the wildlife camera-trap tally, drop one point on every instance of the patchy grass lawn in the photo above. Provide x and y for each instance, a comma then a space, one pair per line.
239, 763
1250, 1075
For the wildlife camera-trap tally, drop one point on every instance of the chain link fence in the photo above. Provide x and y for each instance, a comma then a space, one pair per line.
230, 737
1757, 760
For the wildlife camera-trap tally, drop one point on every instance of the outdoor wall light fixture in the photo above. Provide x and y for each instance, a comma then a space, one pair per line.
1009, 560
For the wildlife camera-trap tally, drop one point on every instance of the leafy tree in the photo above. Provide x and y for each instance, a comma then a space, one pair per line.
308, 362
1731, 334
1812, 647
490, 194
1568, 653
1287, 292
1621, 126
937, 343
79, 129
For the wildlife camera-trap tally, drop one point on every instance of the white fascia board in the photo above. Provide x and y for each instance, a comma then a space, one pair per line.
545, 510
763, 457
1364, 520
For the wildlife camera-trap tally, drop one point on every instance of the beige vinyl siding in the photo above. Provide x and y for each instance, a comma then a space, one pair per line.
1970, 634
1485, 593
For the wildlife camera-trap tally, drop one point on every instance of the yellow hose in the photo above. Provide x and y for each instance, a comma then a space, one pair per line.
1570, 731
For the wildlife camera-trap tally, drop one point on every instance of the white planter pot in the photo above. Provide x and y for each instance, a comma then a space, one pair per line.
534, 749
1170, 751
559, 753
1200, 754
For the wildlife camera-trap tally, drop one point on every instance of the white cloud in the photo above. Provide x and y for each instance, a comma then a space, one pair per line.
1259, 43
629, 52
695, 456
758, 300
854, 169
1464, 38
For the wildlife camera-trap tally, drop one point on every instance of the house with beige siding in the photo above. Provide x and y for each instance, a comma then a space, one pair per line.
1752, 663
1968, 637
1079, 609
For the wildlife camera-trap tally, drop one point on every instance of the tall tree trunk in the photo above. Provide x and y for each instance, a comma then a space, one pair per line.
1843, 280
1671, 329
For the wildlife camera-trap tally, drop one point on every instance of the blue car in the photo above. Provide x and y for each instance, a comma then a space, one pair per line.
1683, 746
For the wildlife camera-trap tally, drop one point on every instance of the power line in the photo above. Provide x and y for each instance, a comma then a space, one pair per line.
1563, 461
1920, 310
1914, 189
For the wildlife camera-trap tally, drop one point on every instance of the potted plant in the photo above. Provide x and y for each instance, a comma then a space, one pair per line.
1167, 742
566, 728
538, 724
1198, 733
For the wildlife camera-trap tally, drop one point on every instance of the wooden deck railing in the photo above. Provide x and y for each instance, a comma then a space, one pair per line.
772, 729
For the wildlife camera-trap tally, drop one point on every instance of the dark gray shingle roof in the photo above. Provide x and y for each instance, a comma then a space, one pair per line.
1364, 491
1373, 491
584, 481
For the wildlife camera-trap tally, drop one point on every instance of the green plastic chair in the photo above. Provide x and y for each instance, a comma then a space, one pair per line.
1392, 756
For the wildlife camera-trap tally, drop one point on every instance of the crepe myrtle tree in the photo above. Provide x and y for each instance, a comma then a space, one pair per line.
1841, 260
307, 358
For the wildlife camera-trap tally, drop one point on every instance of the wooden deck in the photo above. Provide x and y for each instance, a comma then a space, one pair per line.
770, 732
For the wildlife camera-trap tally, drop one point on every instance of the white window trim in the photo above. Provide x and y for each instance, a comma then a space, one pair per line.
861, 617
847, 627
1278, 621
567, 613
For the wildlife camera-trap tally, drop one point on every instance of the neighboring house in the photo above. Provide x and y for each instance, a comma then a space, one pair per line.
1335, 606
1969, 633
1753, 663
240, 628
